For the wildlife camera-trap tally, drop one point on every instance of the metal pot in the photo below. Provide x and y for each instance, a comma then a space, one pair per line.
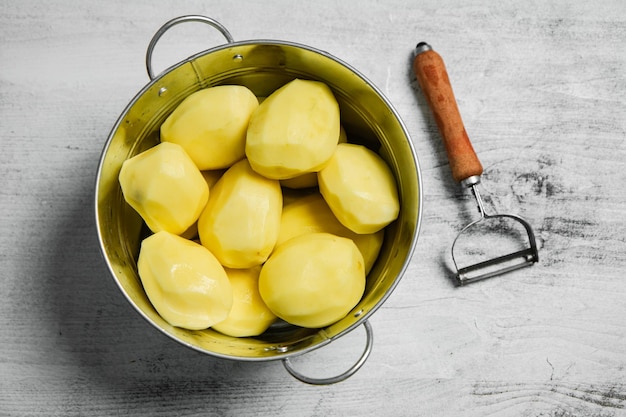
261, 65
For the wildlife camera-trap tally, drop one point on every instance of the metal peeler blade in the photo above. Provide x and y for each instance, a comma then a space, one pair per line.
501, 264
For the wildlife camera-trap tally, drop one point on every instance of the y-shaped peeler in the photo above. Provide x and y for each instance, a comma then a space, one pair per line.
466, 168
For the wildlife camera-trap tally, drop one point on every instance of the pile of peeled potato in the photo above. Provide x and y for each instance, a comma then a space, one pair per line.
230, 248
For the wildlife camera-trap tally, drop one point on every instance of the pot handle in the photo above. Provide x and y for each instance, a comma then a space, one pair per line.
181, 19
343, 376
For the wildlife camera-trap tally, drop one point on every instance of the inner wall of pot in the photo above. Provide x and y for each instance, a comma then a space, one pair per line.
262, 67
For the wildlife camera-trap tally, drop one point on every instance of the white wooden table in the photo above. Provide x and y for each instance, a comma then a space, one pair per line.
541, 87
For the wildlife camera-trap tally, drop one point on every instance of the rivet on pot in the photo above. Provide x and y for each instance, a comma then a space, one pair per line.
162, 91
238, 58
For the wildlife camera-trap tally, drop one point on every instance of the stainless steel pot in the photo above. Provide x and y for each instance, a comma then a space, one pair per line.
261, 65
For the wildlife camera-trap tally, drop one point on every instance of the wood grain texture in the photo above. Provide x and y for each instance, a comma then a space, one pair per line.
541, 90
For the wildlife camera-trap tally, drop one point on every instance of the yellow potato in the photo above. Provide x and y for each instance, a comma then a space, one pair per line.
309, 179
240, 222
165, 187
311, 214
249, 315
211, 125
359, 188
294, 131
313, 280
184, 282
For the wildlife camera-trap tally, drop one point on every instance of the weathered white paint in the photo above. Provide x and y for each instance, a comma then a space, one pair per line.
541, 88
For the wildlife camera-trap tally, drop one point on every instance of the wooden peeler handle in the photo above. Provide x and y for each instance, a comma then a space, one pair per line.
434, 82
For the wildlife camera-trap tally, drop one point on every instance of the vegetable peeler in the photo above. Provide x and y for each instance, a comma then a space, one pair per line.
434, 83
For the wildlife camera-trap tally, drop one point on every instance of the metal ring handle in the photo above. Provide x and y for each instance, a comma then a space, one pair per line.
341, 377
181, 19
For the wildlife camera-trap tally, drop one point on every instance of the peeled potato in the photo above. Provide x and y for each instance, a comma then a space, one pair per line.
240, 222
313, 280
211, 125
359, 188
294, 131
311, 214
309, 179
165, 187
249, 315
184, 282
